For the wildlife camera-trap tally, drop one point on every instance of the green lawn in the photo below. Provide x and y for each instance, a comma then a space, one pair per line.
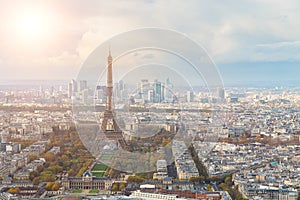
99, 167
93, 191
98, 174
77, 191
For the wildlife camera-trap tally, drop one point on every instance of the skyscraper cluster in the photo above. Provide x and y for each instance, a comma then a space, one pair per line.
78, 89
154, 92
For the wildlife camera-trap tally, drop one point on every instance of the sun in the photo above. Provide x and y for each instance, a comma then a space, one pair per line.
33, 25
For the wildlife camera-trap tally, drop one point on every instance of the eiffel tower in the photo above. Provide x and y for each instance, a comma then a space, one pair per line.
109, 125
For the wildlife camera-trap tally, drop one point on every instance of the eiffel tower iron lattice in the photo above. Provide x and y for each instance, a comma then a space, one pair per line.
109, 125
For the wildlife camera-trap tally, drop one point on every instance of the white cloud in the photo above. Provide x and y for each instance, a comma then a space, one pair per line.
62, 65
65, 59
277, 45
279, 51
231, 31
99, 30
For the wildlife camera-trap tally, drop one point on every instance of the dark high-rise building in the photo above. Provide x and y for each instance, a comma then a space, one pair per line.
159, 91
220, 93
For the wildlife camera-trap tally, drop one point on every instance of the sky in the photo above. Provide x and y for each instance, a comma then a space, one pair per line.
248, 40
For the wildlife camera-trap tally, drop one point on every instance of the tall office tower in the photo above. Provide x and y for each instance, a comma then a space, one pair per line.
121, 85
101, 93
189, 96
51, 90
109, 125
85, 94
151, 95
168, 90
139, 92
41, 91
119, 91
116, 92
82, 85
158, 91
74, 86
145, 87
70, 91
220, 93
162, 93
122, 90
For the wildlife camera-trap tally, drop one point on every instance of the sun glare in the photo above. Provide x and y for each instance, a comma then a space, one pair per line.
33, 25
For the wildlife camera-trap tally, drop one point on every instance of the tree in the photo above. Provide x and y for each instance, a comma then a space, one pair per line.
201, 168
49, 186
228, 181
72, 128
216, 178
14, 190
209, 188
115, 187
55, 186
136, 179
55, 129
122, 186
33, 175
32, 157
197, 179
40, 168
71, 172
49, 157
35, 180
223, 186
73, 160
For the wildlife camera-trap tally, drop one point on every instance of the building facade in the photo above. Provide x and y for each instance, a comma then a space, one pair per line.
86, 182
